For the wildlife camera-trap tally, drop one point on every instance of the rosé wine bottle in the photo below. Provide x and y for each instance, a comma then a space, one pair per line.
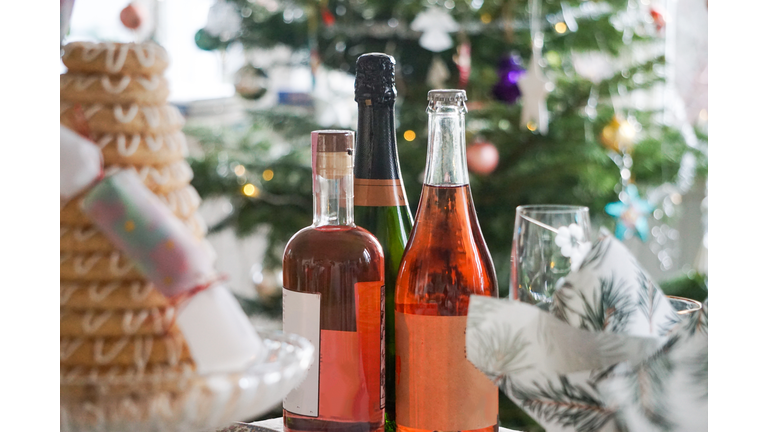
445, 261
333, 295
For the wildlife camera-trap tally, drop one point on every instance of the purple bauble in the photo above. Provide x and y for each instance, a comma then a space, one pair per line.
510, 70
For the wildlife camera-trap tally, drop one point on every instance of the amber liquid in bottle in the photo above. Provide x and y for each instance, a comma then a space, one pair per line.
446, 260
333, 275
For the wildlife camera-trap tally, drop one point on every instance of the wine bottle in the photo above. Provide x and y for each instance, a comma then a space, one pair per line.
446, 260
381, 205
333, 295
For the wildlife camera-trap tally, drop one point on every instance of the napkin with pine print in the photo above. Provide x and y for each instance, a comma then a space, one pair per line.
611, 354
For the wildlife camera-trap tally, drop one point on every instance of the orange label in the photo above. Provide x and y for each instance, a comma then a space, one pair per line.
379, 193
437, 387
351, 363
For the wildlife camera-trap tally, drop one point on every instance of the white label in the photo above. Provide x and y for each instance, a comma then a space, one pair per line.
301, 316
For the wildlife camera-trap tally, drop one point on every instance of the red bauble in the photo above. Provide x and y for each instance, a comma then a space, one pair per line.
133, 15
328, 18
482, 157
658, 15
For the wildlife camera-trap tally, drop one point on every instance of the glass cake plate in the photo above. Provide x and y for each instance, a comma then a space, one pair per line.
188, 402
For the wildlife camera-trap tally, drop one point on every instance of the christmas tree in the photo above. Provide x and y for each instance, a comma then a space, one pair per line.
566, 107
554, 113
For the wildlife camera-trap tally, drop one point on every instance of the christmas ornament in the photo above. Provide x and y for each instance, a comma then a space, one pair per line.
631, 214
618, 135
659, 17
482, 157
207, 42
251, 82
438, 73
509, 71
328, 18
133, 15
463, 62
533, 85
436, 23
223, 20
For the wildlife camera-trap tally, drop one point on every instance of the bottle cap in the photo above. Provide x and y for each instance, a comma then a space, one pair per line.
332, 152
375, 78
447, 96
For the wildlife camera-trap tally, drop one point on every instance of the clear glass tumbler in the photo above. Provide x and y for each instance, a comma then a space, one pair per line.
548, 241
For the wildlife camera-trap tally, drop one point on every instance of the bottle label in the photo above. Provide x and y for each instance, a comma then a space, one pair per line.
437, 388
346, 380
379, 193
301, 316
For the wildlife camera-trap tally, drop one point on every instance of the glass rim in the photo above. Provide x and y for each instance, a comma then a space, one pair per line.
551, 208
693, 305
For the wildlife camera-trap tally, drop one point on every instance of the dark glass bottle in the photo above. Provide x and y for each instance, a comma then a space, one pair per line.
333, 294
381, 205
446, 260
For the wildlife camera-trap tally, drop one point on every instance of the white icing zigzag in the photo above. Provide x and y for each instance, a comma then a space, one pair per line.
156, 372
91, 323
84, 82
106, 350
84, 263
179, 172
124, 117
127, 144
68, 347
103, 358
116, 55
99, 291
183, 201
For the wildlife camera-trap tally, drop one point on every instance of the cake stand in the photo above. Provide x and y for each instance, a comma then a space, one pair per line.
189, 402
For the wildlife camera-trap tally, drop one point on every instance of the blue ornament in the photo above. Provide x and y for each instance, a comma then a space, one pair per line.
631, 215
510, 69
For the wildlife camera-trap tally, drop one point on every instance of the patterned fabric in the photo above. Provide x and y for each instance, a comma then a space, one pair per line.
611, 354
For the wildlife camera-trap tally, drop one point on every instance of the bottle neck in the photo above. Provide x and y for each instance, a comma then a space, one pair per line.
446, 151
334, 201
376, 149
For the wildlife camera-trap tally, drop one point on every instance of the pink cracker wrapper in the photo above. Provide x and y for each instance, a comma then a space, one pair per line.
140, 225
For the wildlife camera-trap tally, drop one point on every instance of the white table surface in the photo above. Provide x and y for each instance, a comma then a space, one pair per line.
276, 425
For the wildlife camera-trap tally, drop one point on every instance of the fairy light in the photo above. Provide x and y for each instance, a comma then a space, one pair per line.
268, 174
409, 135
531, 126
561, 27
250, 190
239, 170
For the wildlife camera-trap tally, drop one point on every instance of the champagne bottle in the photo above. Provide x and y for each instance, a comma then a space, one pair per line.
333, 295
381, 205
446, 260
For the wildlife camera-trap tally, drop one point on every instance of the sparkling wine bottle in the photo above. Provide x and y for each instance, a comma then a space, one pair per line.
445, 261
381, 205
333, 295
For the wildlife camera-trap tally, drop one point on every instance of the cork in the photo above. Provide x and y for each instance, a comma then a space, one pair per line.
334, 152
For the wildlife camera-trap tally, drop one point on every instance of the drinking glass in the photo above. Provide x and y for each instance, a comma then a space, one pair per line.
684, 306
548, 241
